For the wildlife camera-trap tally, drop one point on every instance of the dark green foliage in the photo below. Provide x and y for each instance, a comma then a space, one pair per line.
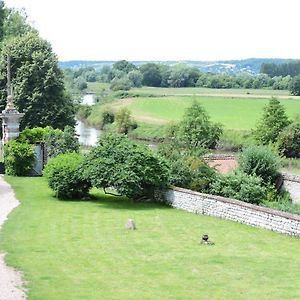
241, 186
290, 68
107, 117
59, 142
260, 161
129, 168
2, 18
38, 83
289, 140
273, 121
196, 130
151, 74
18, 158
295, 86
63, 174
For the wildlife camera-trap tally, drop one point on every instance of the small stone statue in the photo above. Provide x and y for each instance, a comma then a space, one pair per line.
205, 240
130, 224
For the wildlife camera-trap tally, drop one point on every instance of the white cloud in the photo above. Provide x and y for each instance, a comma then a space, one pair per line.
167, 30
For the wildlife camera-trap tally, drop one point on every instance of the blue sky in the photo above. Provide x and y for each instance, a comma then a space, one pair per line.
167, 30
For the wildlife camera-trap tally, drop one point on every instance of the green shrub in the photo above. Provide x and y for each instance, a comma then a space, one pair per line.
59, 142
187, 169
107, 117
289, 140
18, 158
34, 135
260, 161
123, 84
282, 202
131, 169
124, 121
64, 176
241, 186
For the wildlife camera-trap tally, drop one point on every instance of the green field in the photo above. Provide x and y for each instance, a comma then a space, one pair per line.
233, 113
237, 109
80, 250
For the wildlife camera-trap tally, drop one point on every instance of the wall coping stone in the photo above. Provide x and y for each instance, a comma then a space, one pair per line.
241, 203
291, 177
219, 157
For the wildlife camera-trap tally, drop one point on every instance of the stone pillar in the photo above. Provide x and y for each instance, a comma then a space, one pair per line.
10, 121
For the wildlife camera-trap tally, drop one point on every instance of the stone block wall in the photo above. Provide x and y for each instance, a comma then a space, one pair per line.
230, 209
291, 183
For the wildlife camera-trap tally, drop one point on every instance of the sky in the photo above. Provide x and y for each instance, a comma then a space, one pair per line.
166, 30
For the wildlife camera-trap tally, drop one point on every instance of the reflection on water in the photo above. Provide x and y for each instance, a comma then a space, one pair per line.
88, 99
88, 136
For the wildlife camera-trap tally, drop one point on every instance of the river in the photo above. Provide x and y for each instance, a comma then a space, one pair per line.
87, 135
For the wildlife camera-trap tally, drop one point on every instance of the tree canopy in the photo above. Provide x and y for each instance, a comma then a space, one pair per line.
38, 83
129, 168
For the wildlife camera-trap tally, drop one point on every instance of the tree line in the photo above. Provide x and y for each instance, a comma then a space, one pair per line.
285, 69
123, 75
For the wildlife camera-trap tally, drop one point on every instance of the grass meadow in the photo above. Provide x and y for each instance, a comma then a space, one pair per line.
81, 250
236, 109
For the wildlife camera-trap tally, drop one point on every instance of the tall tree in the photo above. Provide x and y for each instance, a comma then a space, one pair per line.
38, 83
196, 130
273, 121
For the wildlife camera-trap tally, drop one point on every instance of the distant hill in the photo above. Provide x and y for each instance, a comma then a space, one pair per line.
251, 65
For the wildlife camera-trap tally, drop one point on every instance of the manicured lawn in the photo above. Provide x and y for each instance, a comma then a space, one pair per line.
80, 250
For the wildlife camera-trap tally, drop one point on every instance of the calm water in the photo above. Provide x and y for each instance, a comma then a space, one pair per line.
88, 136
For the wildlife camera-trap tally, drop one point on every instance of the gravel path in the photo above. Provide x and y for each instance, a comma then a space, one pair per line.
10, 279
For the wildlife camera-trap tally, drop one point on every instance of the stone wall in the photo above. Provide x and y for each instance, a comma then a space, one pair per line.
231, 209
291, 183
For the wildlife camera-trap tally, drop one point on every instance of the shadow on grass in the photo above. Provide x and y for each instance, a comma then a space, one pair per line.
118, 202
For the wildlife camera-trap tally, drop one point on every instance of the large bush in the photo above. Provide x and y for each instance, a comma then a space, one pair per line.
289, 140
241, 186
64, 176
131, 169
18, 158
260, 161
196, 129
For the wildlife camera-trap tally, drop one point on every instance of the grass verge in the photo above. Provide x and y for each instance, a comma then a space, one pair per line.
80, 250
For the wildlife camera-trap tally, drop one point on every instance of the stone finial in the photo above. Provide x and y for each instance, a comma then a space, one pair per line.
10, 103
130, 224
205, 240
